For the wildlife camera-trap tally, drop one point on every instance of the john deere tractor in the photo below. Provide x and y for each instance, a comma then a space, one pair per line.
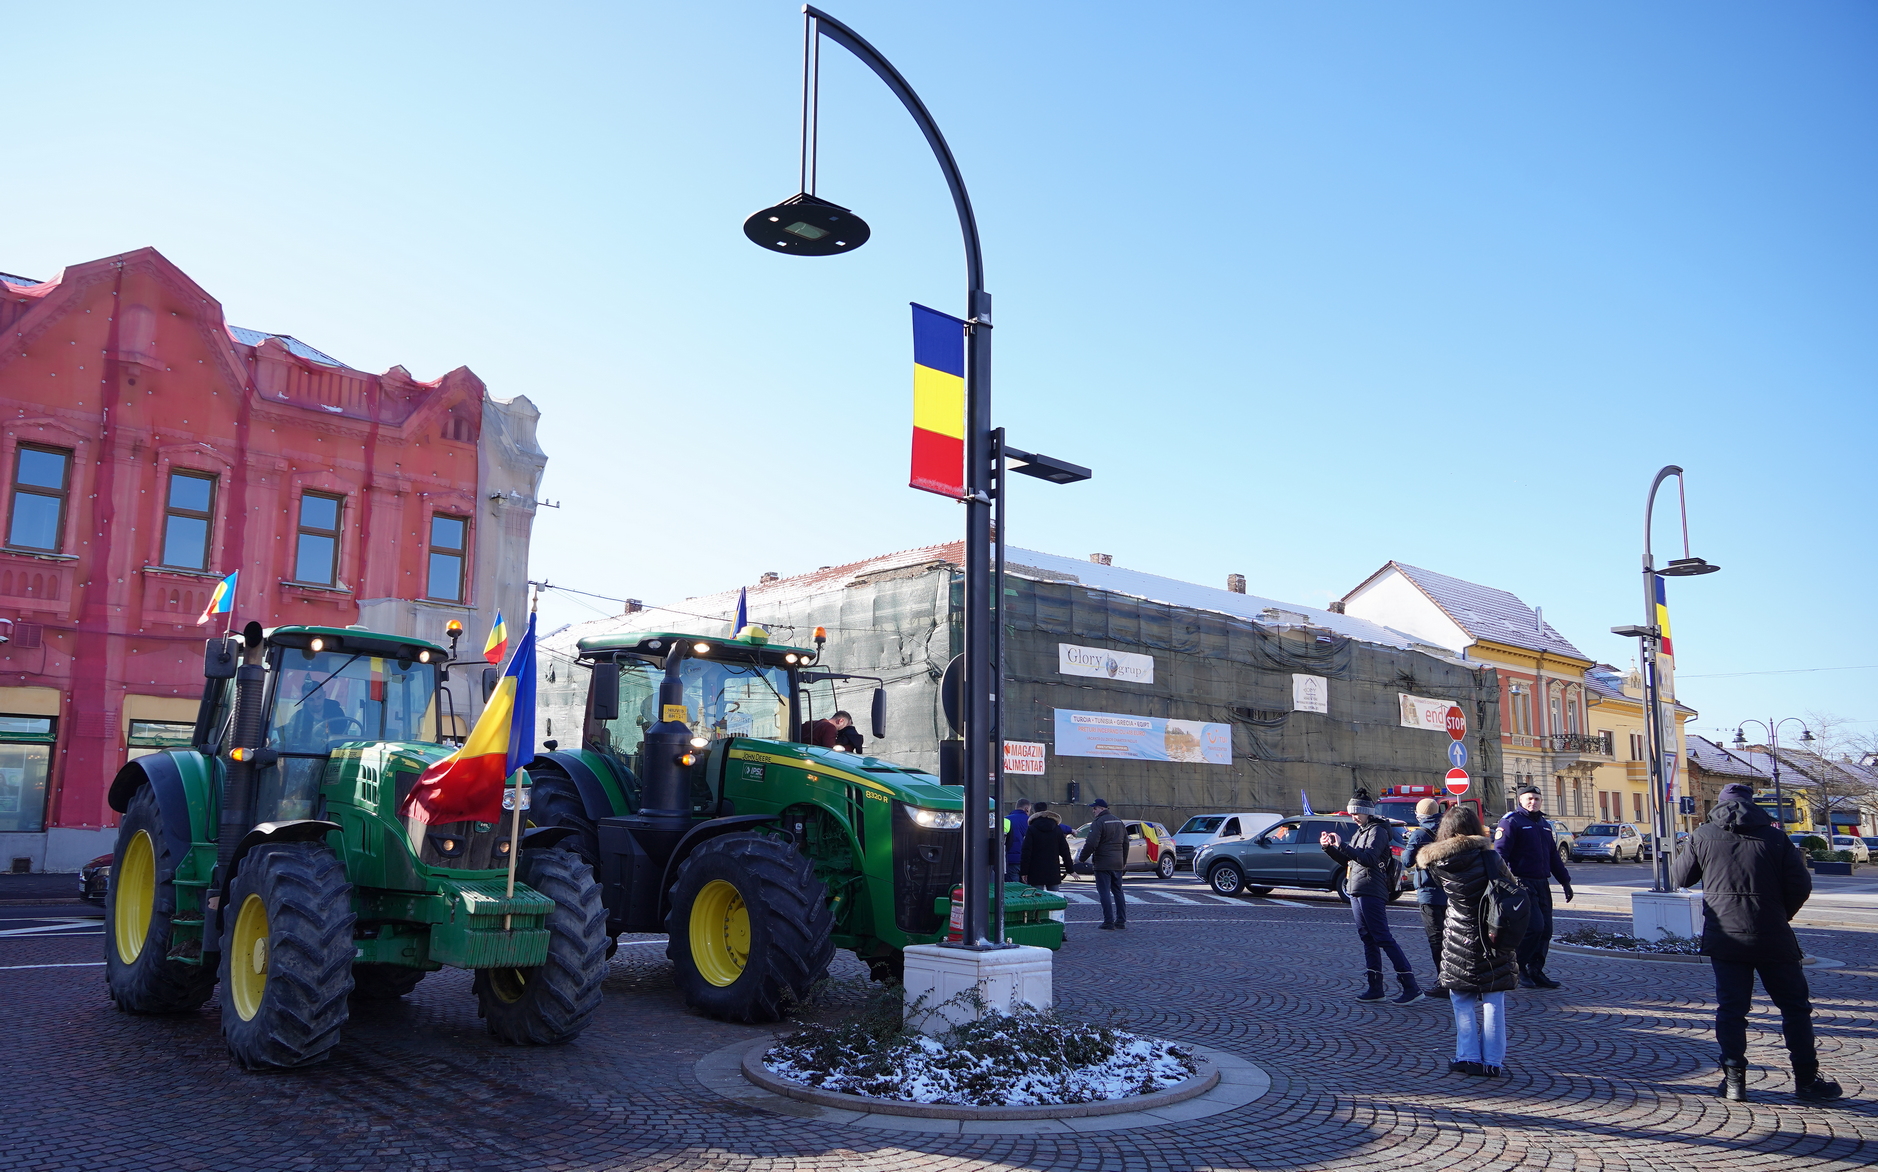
270, 855
709, 818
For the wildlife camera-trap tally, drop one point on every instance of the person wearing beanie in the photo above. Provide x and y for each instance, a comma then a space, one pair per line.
1753, 883
1430, 896
1370, 876
1524, 840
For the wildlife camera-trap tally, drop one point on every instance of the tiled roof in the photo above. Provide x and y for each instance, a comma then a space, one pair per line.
1719, 761
11, 279
1486, 613
294, 345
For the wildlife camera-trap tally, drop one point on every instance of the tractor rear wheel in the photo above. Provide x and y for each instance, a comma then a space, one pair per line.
554, 800
286, 955
383, 982
141, 901
551, 1002
750, 928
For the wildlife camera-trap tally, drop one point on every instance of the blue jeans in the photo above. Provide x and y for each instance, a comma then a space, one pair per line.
1109, 888
1372, 927
1469, 1045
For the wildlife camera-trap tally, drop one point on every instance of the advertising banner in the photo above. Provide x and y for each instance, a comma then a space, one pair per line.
1072, 660
1141, 738
1421, 712
1310, 694
1023, 757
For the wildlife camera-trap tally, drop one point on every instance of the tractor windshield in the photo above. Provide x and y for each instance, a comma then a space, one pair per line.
721, 700
325, 698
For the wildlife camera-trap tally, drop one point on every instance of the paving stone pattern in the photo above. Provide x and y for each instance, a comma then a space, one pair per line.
1614, 1072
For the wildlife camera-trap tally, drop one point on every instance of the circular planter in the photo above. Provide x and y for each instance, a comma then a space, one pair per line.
1669, 957
762, 1076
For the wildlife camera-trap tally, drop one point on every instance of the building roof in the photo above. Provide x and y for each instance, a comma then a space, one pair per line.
23, 282
1483, 612
294, 345
1713, 758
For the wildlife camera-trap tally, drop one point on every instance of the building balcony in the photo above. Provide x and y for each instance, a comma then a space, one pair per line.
1577, 744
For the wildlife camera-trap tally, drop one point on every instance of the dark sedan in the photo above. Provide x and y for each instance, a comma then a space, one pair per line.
1287, 855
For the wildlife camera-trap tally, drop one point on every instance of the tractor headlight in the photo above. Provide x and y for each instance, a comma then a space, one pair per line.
508, 798
936, 819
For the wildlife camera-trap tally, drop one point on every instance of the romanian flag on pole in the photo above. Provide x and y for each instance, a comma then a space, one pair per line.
221, 600
498, 644
1662, 616
467, 785
938, 403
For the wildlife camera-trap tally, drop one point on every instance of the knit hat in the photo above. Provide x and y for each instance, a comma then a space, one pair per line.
1738, 793
1425, 807
1360, 804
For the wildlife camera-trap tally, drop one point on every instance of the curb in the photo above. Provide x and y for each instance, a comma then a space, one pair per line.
756, 1072
1670, 957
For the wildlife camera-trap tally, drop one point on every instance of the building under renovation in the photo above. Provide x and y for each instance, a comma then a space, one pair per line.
1165, 697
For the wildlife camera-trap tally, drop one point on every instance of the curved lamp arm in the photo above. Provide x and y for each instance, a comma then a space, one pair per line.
1649, 510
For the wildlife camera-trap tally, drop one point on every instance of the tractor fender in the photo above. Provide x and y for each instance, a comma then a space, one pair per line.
296, 830
545, 836
593, 791
185, 814
702, 833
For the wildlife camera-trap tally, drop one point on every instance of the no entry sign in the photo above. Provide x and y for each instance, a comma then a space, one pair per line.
1458, 782
1457, 723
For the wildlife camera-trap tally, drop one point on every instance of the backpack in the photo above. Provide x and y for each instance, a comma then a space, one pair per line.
1389, 866
1505, 907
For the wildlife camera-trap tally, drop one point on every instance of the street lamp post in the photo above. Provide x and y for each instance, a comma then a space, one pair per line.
1653, 634
1773, 752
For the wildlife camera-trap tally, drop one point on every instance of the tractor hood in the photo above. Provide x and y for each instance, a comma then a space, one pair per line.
912, 786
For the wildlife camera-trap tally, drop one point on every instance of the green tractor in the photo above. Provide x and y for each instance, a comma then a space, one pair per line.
270, 854
708, 818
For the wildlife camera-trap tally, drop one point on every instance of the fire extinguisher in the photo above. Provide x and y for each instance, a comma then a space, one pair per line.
957, 931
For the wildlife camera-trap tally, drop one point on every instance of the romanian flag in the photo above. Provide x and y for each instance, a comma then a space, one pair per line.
467, 785
221, 600
498, 644
938, 403
1662, 617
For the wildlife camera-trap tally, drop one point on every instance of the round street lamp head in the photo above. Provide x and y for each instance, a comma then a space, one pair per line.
1687, 568
803, 225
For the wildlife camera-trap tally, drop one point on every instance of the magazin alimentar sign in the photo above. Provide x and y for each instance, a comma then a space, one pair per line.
1141, 738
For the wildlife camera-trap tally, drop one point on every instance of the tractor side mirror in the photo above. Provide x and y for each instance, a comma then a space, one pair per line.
880, 713
220, 658
491, 677
606, 691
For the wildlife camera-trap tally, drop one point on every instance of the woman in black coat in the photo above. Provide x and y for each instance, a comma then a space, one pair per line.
1046, 857
1476, 974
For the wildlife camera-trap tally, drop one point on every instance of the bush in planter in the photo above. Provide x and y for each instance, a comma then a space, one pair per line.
1815, 843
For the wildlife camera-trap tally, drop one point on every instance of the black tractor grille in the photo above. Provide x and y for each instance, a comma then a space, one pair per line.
461, 846
927, 864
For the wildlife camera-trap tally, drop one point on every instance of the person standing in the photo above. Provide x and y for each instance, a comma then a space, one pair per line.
1105, 848
1368, 880
1014, 840
1526, 844
1046, 858
1475, 973
1753, 884
1430, 896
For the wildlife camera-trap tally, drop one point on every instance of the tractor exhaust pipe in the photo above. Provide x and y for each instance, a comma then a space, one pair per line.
238, 776
665, 802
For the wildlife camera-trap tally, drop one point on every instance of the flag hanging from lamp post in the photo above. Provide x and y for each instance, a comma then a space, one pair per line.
938, 403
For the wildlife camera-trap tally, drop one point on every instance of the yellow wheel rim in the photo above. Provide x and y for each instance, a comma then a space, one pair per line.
508, 984
720, 933
134, 892
247, 958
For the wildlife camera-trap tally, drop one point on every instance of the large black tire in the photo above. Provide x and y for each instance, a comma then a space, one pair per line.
383, 982
763, 929
138, 907
1226, 878
285, 999
552, 1002
553, 800
1342, 885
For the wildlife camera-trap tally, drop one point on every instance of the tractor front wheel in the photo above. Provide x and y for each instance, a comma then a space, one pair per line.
138, 970
383, 982
551, 1002
750, 928
286, 955
554, 800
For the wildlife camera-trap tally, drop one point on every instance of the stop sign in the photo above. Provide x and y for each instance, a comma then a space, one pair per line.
1457, 723
1457, 782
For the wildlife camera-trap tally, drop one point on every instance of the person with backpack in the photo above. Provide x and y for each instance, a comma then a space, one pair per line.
1487, 907
1430, 897
1527, 846
1371, 876
1753, 883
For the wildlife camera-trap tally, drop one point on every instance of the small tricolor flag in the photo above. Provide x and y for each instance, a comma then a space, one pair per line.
743, 613
467, 785
938, 403
498, 644
221, 599
1662, 617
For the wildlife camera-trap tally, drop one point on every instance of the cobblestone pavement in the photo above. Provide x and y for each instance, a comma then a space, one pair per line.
1615, 1071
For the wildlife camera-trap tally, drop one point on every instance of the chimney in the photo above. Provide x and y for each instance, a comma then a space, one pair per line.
633, 606
769, 576
1538, 619
1102, 559
1235, 583
1337, 607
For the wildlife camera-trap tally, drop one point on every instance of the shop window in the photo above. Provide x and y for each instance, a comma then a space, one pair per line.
25, 757
154, 736
41, 481
188, 520
316, 557
448, 542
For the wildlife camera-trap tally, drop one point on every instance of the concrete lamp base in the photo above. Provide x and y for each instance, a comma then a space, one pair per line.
937, 978
1655, 914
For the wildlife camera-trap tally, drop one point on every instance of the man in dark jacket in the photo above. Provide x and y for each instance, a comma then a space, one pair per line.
1429, 894
1014, 840
1753, 883
1368, 880
1106, 849
1046, 849
1524, 840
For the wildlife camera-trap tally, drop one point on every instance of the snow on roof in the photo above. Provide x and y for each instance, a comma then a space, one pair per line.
294, 345
1713, 758
1486, 613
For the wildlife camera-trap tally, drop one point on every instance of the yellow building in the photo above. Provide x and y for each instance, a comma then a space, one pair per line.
1620, 783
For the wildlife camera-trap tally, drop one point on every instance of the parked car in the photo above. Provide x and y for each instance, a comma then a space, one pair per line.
1286, 855
1871, 843
1846, 842
1611, 841
1201, 829
1150, 847
1562, 837
93, 878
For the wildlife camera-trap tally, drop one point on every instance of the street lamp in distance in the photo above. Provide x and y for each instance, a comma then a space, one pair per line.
1773, 754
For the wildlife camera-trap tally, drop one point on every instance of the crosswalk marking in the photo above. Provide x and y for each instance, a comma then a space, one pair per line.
1223, 899
1177, 898
1075, 897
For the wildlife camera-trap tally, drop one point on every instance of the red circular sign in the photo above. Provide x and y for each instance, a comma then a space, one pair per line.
1457, 723
1457, 782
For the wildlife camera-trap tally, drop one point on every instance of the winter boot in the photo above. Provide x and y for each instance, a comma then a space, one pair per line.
1410, 990
1734, 1085
1542, 981
1809, 1087
1374, 990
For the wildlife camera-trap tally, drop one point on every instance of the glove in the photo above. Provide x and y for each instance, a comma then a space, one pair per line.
1568, 893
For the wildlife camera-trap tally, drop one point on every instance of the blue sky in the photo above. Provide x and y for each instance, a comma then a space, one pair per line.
1310, 286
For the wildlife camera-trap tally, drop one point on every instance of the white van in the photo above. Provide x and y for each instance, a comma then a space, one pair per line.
1201, 829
